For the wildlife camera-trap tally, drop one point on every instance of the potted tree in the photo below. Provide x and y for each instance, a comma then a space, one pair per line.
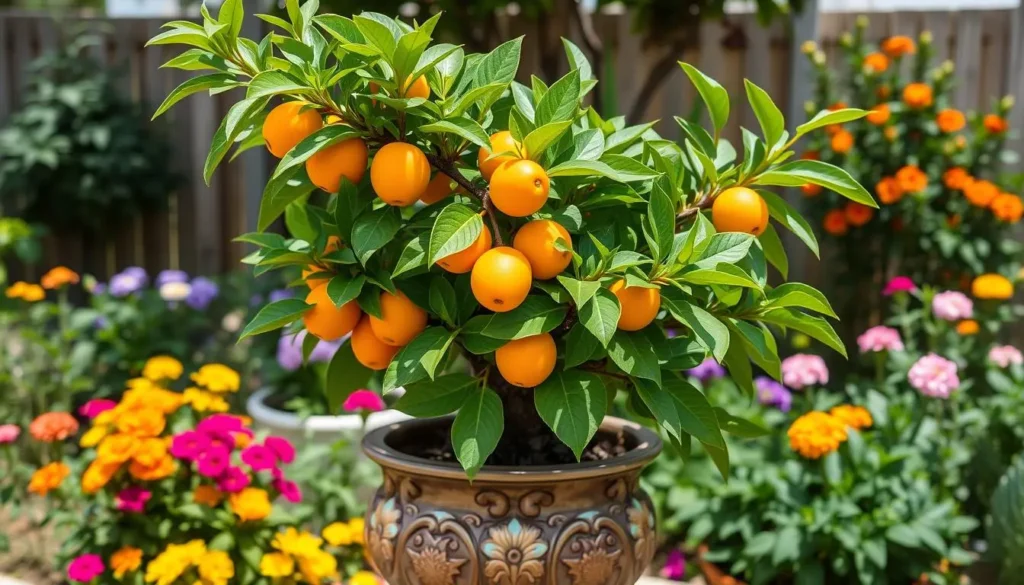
514, 259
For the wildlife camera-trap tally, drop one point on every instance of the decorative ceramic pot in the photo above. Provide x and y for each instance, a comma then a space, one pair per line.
581, 524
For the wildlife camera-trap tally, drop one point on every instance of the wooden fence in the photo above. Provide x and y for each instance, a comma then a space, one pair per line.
194, 233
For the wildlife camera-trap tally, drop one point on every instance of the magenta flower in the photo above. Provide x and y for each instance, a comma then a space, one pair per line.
675, 566
934, 376
213, 461
189, 445
9, 434
1002, 356
802, 370
259, 458
899, 284
220, 424
282, 448
133, 499
364, 400
94, 407
233, 480
86, 568
289, 490
880, 338
952, 306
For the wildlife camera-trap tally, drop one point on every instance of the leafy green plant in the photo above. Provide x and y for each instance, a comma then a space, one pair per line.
1005, 527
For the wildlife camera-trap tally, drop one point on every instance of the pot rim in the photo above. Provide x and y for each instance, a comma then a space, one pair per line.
648, 447
257, 407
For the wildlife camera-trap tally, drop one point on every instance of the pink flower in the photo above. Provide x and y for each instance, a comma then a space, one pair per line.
365, 400
86, 568
934, 376
133, 499
220, 424
880, 338
213, 461
289, 490
94, 407
952, 306
282, 448
802, 370
899, 284
9, 434
189, 445
233, 480
1003, 356
259, 458
675, 566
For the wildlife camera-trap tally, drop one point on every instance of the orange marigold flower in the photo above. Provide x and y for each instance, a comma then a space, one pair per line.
917, 95
98, 475
51, 427
992, 286
816, 434
150, 452
955, 178
842, 142
912, 179
898, 46
207, 495
879, 114
250, 504
980, 193
855, 417
48, 478
995, 124
144, 422
876, 63
117, 449
950, 120
835, 223
165, 467
889, 190
27, 292
810, 189
58, 277
1008, 208
125, 560
968, 327
857, 214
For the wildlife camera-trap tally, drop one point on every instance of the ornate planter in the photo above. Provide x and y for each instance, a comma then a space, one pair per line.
581, 524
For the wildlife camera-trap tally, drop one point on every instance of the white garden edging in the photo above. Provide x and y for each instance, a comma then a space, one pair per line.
314, 429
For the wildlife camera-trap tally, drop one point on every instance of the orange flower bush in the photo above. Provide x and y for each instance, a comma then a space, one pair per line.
58, 277
48, 478
52, 427
855, 417
817, 434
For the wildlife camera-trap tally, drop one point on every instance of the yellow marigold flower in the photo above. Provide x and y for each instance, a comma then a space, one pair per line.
203, 401
295, 543
164, 467
162, 367
48, 478
98, 475
58, 277
358, 528
992, 286
276, 564
207, 495
146, 422
125, 560
16, 290
855, 417
364, 578
318, 566
116, 448
93, 436
216, 568
250, 504
150, 452
140, 384
217, 378
25, 291
816, 434
338, 534
169, 565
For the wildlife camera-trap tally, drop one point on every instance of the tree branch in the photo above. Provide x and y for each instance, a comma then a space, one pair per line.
483, 194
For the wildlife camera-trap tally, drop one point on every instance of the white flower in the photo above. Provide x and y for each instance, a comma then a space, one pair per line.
173, 292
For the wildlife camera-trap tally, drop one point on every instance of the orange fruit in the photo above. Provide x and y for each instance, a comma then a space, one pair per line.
345, 159
501, 279
400, 173
536, 240
519, 188
437, 189
401, 320
370, 351
326, 321
333, 244
419, 88
462, 262
500, 142
528, 361
740, 209
639, 306
288, 124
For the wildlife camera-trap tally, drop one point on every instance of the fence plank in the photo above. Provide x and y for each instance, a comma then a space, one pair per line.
968, 59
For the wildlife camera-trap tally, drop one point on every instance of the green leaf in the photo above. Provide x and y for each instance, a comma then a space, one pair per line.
787, 546
537, 314
345, 375
661, 406
797, 294
783, 213
344, 288
479, 96
444, 395
377, 34
442, 300
810, 573
816, 327
768, 114
455, 229
774, 251
500, 65
195, 85
182, 36
339, 27
715, 97
631, 351
761, 544
903, 535
419, 359
561, 102
711, 333
274, 316
738, 364
537, 141
572, 403
410, 48
271, 83
577, 60
620, 140
800, 172
581, 291
828, 118
696, 417
628, 169
601, 317
413, 256
660, 221
759, 344
738, 426
724, 274
727, 248
580, 346
373, 230
477, 429
236, 120
462, 127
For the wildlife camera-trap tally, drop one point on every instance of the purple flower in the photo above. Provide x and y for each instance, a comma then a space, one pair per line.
289, 490
125, 283
202, 294
364, 400
133, 499
707, 370
289, 350
280, 295
282, 448
98, 288
259, 457
772, 393
137, 272
934, 376
214, 461
802, 370
675, 566
168, 276
233, 480
899, 284
952, 306
880, 338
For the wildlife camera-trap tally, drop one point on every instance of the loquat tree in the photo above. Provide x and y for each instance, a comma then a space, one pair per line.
510, 256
